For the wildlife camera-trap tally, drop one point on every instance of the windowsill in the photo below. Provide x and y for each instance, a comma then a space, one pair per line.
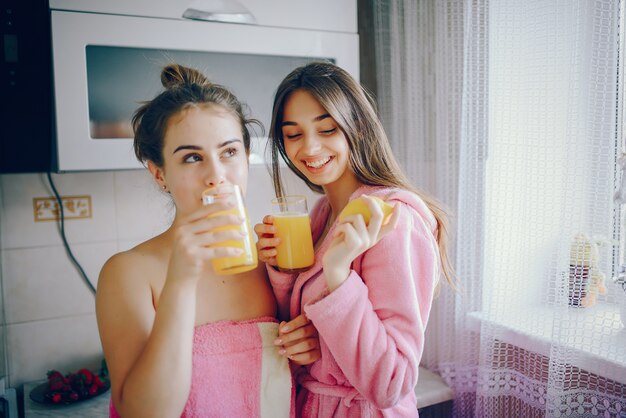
532, 328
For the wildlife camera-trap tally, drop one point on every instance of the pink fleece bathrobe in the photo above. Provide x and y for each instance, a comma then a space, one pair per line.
371, 328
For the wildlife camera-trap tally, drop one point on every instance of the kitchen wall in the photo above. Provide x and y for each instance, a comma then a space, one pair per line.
49, 311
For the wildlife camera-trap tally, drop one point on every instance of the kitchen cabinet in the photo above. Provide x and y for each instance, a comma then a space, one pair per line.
327, 15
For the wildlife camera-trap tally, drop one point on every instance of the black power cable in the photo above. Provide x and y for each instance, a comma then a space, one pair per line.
62, 232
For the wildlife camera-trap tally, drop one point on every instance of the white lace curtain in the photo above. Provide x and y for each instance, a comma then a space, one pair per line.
510, 113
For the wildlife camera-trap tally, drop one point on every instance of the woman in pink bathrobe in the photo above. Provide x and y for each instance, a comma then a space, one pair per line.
370, 289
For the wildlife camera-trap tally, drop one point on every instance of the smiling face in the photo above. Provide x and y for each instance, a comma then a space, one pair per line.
314, 142
203, 147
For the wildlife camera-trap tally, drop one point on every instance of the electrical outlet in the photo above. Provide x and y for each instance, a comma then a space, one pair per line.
74, 207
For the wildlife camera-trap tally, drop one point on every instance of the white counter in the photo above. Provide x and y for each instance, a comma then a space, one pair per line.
97, 407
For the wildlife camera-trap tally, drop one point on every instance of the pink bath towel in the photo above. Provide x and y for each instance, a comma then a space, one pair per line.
237, 372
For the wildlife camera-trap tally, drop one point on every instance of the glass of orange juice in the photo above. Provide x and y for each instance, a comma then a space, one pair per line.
248, 260
291, 218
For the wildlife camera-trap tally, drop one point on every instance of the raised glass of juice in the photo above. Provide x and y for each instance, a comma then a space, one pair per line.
291, 218
248, 260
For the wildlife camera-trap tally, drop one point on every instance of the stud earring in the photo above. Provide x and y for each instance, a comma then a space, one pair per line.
164, 187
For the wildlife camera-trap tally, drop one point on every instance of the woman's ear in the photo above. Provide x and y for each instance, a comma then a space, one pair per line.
157, 174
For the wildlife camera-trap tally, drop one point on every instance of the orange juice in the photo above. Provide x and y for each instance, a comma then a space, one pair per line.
295, 251
248, 260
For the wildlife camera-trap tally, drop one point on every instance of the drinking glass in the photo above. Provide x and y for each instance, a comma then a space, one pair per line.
248, 260
291, 218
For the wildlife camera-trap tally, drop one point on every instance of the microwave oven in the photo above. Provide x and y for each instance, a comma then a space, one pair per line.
107, 57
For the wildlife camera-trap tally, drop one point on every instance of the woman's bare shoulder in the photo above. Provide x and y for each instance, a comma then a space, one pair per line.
128, 282
141, 261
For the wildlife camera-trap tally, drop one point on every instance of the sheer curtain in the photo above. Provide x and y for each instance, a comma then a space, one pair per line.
509, 112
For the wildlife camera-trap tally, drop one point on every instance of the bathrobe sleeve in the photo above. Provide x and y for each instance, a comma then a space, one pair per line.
282, 285
373, 324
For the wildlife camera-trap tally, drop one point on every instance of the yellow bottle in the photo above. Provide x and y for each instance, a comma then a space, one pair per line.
248, 260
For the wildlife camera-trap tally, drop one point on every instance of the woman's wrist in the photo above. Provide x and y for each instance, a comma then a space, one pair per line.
183, 288
335, 276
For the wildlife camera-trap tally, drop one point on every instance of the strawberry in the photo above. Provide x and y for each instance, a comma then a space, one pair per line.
83, 392
87, 375
98, 382
73, 386
55, 384
93, 389
52, 374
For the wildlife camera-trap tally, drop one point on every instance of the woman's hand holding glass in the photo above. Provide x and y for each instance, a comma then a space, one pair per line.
195, 241
351, 238
298, 340
268, 241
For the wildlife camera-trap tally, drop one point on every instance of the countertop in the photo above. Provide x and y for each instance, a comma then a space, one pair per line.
97, 407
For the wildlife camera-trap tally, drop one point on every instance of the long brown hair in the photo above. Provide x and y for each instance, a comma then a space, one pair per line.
371, 157
184, 87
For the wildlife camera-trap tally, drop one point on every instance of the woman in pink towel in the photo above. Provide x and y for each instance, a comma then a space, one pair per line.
370, 290
180, 340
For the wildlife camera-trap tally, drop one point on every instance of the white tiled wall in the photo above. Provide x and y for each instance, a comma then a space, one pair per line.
20, 231
49, 311
65, 344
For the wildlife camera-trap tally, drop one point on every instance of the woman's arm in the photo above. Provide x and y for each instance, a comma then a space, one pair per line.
382, 313
149, 352
297, 338
282, 283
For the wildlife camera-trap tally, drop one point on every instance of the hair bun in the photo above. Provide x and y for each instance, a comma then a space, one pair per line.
176, 75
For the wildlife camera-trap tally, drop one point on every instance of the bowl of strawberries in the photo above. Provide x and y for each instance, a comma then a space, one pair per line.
67, 389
